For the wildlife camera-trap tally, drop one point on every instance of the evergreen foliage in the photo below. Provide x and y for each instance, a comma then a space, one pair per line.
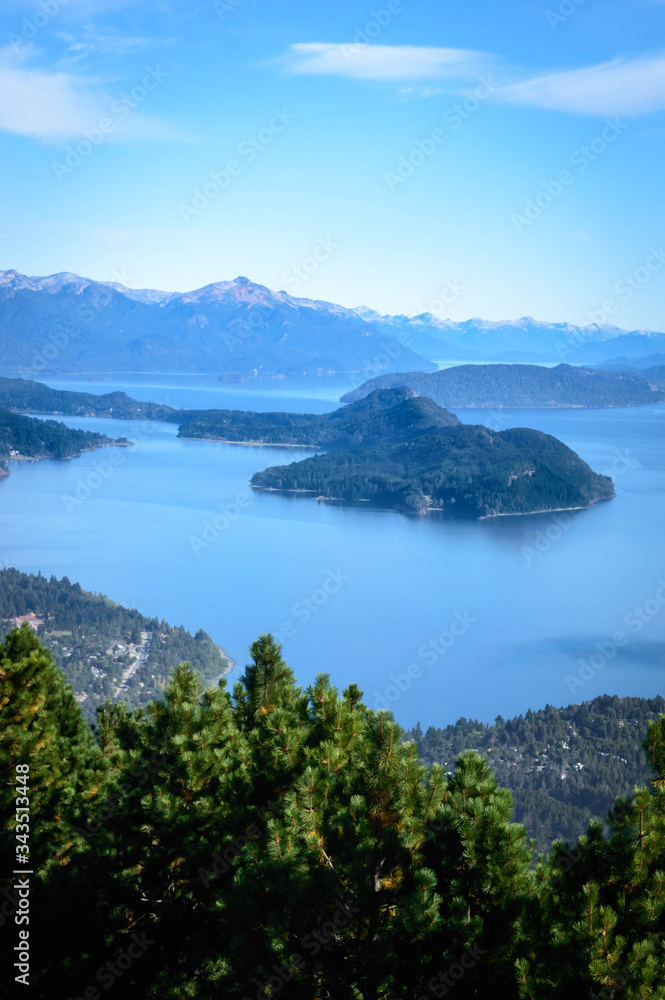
28, 437
89, 636
524, 386
281, 842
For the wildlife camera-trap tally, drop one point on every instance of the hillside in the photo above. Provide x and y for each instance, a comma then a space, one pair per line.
35, 397
653, 373
94, 640
387, 415
562, 765
522, 386
29, 438
467, 469
68, 323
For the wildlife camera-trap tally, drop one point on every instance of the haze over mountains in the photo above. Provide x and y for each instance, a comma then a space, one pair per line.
67, 323
524, 386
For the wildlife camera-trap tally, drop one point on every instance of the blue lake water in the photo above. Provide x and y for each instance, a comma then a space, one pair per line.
433, 618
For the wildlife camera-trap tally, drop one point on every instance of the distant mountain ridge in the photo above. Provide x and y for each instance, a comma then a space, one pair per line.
68, 323
520, 340
524, 386
65, 323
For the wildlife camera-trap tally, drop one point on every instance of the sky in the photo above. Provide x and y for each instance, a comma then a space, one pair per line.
506, 152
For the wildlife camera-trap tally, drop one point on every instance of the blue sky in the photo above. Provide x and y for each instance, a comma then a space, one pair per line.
361, 153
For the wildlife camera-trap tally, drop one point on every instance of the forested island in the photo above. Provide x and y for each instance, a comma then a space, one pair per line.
281, 841
523, 387
383, 416
419, 460
29, 438
34, 397
94, 640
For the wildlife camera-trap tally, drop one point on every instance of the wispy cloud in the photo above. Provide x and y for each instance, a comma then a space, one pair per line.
46, 105
396, 63
620, 87
54, 105
92, 41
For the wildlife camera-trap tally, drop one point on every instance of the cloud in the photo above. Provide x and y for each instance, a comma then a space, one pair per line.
620, 87
55, 106
109, 42
382, 62
41, 104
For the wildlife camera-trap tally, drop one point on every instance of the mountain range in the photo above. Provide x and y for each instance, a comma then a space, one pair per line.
67, 323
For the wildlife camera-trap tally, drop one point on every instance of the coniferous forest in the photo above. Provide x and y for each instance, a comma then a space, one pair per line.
273, 841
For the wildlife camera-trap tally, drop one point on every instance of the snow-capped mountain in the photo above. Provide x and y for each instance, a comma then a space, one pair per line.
68, 323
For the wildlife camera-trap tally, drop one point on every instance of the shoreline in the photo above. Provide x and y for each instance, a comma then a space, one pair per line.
432, 510
547, 510
62, 458
252, 444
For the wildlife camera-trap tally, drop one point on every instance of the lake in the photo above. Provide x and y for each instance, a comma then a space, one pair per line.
435, 618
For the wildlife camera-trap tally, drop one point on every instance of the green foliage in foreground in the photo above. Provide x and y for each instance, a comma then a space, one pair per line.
280, 842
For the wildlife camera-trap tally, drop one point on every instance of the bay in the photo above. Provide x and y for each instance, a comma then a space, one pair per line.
434, 618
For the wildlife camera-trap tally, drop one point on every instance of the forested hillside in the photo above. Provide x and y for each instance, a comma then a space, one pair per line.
386, 415
94, 640
281, 842
35, 397
467, 469
562, 765
522, 386
27, 437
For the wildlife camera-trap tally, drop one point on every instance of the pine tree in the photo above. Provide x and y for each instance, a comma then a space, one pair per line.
42, 729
